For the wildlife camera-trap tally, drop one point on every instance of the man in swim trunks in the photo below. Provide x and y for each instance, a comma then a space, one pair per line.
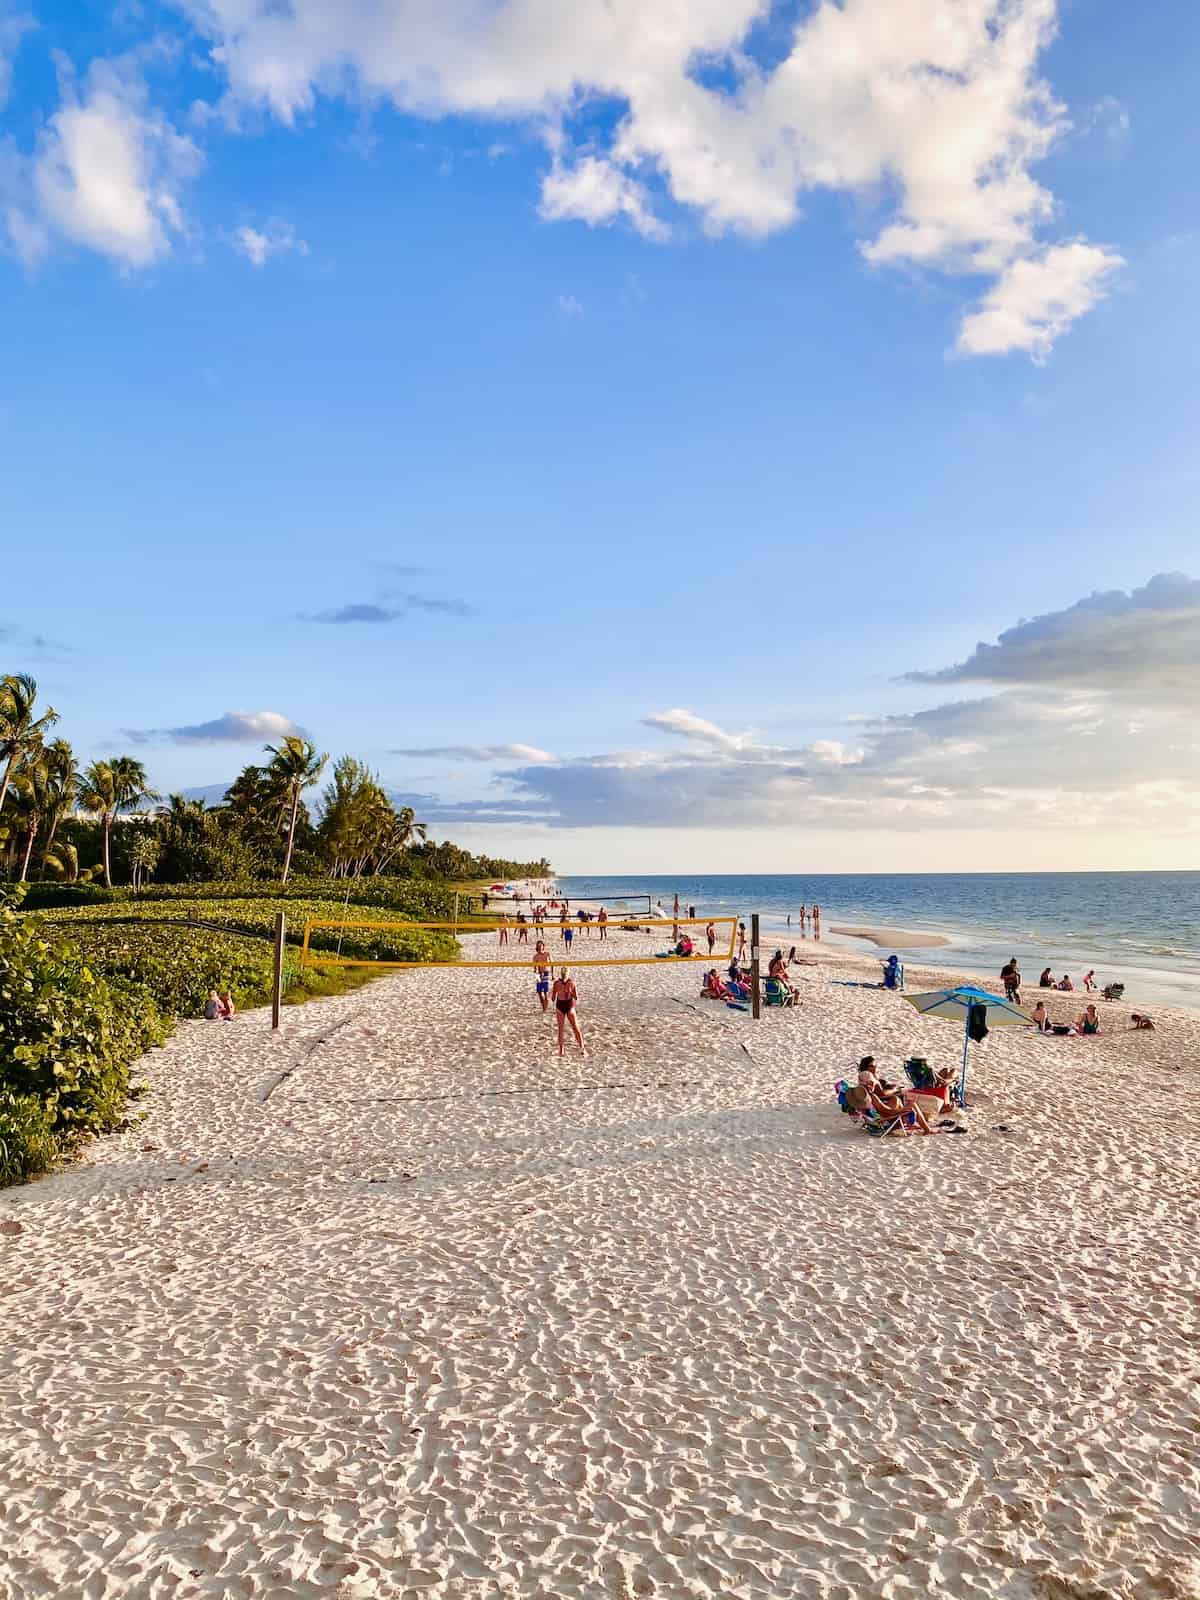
541, 968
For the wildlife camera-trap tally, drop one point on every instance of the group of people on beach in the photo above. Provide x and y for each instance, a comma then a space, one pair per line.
804, 916
566, 928
219, 1007
910, 1111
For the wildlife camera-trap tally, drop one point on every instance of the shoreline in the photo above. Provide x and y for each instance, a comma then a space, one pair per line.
894, 938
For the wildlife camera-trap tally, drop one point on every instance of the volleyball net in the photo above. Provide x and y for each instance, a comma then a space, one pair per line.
585, 937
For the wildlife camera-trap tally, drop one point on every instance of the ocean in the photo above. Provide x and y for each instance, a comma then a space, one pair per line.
1139, 928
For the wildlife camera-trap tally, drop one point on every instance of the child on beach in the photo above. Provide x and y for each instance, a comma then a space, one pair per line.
212, 1010
228, 1009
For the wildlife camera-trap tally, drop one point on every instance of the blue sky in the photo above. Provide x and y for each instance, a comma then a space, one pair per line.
634, 361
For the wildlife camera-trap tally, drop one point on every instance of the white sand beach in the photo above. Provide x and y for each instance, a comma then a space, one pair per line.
395, 1303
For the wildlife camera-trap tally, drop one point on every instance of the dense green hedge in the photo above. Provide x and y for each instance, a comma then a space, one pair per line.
68, 1037
257, 917
423, 902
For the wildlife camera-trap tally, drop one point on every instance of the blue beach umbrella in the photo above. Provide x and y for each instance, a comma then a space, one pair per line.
958, 1005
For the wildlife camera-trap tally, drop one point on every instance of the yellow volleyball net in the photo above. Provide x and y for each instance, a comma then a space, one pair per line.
588, 940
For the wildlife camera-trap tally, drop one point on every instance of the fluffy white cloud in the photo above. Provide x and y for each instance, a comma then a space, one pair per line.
274, 238
1093, 727
932, 110
107, 173
1036, 299
233, 727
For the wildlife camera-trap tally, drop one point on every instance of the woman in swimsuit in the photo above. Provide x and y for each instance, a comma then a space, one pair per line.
1089, 1022
541, 967
565, 996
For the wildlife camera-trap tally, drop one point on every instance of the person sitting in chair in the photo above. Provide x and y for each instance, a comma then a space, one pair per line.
713, 988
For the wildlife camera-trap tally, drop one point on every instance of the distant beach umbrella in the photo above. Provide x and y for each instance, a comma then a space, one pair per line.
978, 1010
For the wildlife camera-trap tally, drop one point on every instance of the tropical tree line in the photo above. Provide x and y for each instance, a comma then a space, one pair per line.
104, 822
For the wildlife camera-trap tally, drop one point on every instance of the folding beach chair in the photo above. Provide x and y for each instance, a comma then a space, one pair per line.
922, 1077
776, 993
876, 1125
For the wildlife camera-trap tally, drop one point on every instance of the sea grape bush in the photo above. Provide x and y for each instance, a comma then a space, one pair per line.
68, 1037
420, 901
257, 918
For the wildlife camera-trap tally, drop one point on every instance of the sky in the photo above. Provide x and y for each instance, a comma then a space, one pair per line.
658, 434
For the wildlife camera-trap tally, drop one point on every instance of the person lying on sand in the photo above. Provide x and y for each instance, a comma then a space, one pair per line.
1141, 1022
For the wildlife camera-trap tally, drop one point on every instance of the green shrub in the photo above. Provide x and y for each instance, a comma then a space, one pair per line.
27, 1142
67, 1040
256, 917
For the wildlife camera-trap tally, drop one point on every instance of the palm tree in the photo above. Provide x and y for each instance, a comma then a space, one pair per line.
33, 789
64, 778
98, 797
294, 767
110, 787
20, 731
62, 862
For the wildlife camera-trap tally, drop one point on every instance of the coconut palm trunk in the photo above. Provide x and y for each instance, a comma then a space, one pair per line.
107, 822
287, 860
33, 832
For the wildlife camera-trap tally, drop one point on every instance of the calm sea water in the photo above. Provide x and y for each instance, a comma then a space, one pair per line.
1140, 928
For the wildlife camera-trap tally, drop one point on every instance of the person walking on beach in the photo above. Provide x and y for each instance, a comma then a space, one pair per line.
541, 968
741, 951
710, 933
566, 997
803, 921
503, 928
816, 920
602, 921
568, 934
1010, 976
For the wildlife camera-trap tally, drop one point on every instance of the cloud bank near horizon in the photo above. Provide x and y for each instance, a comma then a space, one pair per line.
1092, 725
658, 115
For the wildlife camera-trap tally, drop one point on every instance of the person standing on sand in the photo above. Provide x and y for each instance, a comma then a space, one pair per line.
741, 951
566, 997
1010, 976
541, 967
710, 933
602, 920
816, 920
803, 919
503, 928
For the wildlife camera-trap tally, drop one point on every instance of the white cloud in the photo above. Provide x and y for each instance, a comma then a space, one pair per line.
689, 726
14, 25
107, 173
233, 727
274, 238
1037, 298
930, 110
1093, 727
569, 306
1144, 643
595, 191
480, 752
